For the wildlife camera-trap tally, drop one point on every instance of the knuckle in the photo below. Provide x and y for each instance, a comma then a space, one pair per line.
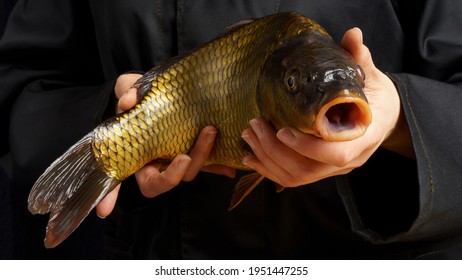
167, 182
147, 191
188, 177
289, 181
342, 159
154, 184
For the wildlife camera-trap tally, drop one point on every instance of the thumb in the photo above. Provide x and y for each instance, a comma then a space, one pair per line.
106, 205
352, 41
127, 101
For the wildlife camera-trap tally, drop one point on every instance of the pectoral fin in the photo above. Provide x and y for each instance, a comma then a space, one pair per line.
245, 185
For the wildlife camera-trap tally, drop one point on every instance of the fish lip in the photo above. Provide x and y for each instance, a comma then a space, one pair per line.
344, 118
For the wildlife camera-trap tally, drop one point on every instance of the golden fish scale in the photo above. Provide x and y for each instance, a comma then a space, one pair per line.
215, 85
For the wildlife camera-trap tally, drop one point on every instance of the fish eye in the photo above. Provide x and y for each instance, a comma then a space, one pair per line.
291, 80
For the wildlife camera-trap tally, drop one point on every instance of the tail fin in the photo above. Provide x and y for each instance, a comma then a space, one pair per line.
69, 189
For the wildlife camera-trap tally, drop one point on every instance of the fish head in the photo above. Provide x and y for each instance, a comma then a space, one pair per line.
312, 84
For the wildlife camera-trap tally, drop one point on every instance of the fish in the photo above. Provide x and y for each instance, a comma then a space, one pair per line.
284, 68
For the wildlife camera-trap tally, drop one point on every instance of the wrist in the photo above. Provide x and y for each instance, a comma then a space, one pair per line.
399, 138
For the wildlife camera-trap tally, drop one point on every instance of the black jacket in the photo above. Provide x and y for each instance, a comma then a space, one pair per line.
58, 63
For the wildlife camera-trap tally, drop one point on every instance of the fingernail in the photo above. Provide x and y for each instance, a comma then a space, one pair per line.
256, 126
210, 137
286, 136
360, 33
247, 139
101, 217
246, 162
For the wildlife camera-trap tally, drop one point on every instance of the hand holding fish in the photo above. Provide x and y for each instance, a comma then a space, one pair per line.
293, 75
292, 158
155, 179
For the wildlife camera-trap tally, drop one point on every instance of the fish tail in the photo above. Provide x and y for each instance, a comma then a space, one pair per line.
69, 189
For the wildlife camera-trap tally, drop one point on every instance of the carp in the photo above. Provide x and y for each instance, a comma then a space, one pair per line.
284, 68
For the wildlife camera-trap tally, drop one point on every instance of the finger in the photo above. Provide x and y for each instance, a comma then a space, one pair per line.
283, 164
309, 172
200, 152
128, 100
106, 205
263, 163
152, 182
352, 41
278, 151
125, 82
338, 154
255, 164
291, 167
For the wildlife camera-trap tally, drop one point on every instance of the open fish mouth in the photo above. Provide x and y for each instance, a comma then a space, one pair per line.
343, 118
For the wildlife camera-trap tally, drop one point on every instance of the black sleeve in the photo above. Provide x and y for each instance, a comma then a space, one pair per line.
53, 89
419, 200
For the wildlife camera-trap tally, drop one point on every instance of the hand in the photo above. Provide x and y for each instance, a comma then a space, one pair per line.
291, 158
154, 179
